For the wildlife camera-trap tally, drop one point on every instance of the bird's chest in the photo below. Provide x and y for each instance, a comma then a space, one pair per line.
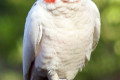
65, 39
60, 46
65, 42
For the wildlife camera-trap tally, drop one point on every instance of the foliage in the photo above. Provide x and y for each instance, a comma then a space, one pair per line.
105, 60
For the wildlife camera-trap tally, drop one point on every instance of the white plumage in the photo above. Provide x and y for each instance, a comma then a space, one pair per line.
59, 38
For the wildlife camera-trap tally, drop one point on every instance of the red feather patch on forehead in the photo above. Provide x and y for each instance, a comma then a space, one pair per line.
50, 1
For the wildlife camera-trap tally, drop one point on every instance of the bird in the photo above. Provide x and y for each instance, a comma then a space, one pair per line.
59, 37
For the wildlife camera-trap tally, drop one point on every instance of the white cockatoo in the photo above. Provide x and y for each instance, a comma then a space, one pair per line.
59, 37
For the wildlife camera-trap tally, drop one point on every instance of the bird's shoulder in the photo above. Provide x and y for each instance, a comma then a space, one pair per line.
94, 8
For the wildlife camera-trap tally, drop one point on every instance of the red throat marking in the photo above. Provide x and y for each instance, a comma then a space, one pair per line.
50, 1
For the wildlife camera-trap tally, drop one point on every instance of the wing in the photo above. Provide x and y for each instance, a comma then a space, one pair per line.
32, 37
96, 33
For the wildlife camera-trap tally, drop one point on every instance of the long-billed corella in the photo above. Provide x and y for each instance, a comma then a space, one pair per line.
59, 37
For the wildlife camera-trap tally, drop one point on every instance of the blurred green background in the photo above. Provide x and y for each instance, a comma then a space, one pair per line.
105, 60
